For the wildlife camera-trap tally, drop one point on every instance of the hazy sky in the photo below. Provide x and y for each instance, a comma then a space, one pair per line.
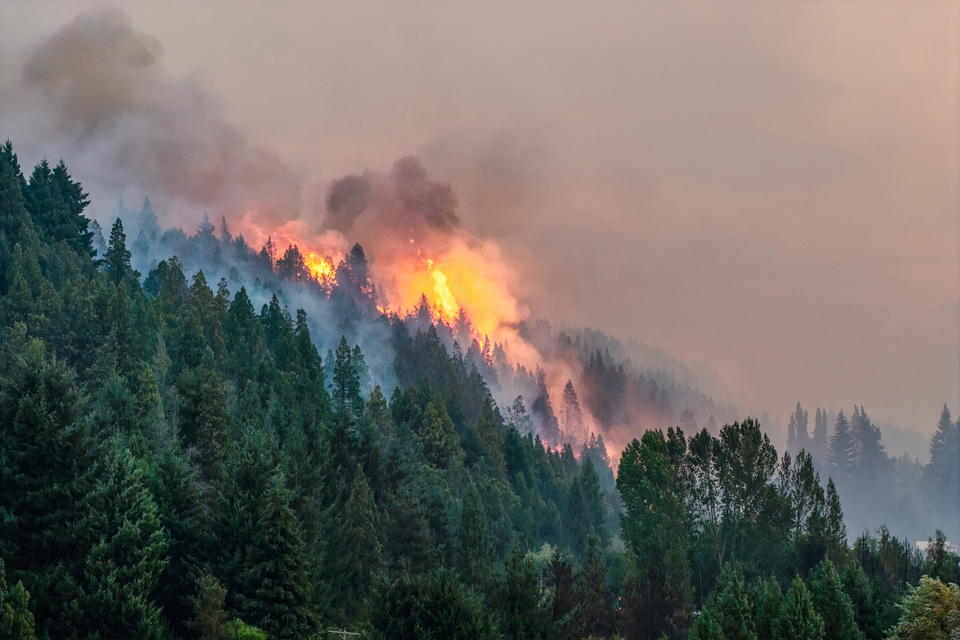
768, 188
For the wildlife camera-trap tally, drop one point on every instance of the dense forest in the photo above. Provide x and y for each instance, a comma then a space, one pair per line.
177, 463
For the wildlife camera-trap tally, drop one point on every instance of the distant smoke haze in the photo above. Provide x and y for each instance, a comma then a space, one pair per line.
769, 189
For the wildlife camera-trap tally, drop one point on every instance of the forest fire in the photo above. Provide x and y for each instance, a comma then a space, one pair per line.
464, 273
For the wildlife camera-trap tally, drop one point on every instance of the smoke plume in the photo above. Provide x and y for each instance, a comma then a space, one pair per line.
98, 87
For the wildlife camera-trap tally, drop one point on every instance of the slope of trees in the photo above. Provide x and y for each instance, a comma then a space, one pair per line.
176, 463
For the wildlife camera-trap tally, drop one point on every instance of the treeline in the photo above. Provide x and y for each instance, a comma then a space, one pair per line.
178, 464
876, 486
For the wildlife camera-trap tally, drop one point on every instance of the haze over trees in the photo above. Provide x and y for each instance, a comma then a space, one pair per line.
177, 463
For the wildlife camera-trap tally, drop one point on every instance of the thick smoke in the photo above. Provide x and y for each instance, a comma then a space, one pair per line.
97, 89
404, 203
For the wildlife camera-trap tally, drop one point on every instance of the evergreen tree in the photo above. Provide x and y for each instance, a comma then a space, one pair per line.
117, 258
942, 475
347, 401
733, 611
833, 605
835, 531
596, 608
475, 549
518, 599
871, 456
866, 608
571, 418
797, 438
818, 444
841, 455
706, 627
798, 620
275, 587
49, 481
357, 556
767, 598
123, 568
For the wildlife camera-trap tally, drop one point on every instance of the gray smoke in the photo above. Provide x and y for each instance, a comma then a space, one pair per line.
95, 91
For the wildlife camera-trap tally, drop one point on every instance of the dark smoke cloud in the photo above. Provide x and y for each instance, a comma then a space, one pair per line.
400, 205
97, 86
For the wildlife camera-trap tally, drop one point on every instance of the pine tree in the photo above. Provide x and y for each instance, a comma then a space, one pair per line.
797, 428
835, 531
798, 620
117, 258
767, 598
347, 401
275, 586
475, 550
942, 475
123, 568
50, 476
706, 627
357, 556
571, 418
841, 456
818, 445
732, 609
833, 605
871, 456
595, 614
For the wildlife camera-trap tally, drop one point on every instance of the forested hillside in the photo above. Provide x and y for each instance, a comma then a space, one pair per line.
179, 460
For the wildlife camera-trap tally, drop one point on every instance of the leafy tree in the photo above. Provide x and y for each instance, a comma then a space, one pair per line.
209, 619
930, 611
655, 523
16, 619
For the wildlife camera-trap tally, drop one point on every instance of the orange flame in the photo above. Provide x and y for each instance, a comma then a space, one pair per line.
320, 268
464, 273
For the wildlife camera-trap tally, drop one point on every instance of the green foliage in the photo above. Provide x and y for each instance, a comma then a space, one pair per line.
798, 620
124, 566
436, 605
16, 619
209, 619
832, 603
706, 627
930, 611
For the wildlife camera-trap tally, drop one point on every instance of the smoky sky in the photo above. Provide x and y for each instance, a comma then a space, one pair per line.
769, 189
